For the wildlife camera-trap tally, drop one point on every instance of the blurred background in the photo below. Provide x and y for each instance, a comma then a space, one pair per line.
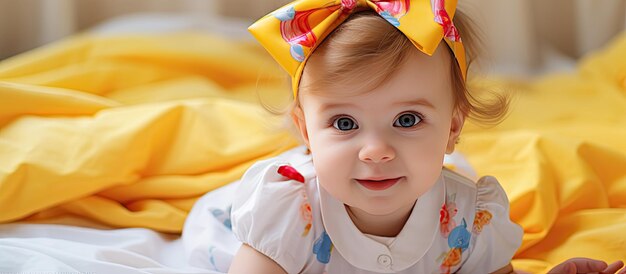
522, 37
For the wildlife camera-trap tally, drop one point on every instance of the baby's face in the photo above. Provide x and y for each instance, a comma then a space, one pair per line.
380, 150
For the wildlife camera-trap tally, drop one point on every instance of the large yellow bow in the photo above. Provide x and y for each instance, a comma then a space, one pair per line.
292, 32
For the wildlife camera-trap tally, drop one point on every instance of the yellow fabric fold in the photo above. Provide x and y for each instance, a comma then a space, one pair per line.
561, 157
125, 130
128, 131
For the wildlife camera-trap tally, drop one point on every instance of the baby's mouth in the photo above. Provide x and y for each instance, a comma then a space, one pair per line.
378, 184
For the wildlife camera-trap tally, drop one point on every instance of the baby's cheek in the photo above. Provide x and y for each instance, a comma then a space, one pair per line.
331, 169
328, 166
427, 178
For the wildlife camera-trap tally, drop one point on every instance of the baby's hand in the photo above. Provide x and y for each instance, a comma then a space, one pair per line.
586, 265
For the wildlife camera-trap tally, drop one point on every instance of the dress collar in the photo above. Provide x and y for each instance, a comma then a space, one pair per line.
410, 245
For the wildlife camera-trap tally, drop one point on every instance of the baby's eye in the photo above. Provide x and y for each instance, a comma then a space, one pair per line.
344, 124
407, 120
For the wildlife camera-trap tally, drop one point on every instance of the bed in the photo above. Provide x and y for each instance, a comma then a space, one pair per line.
107, 139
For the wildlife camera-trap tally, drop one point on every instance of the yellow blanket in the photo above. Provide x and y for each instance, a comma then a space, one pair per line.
130, 131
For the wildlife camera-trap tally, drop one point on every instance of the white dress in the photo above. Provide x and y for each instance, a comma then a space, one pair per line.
279, 209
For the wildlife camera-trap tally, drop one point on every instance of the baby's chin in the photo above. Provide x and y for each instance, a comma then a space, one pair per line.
381, 206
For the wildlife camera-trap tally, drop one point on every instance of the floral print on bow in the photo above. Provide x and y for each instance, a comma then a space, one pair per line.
291, 33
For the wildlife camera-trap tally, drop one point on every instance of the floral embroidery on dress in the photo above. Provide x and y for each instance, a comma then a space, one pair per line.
322, 248
223, 216
458, 241
291, 173
306, 214
305, 208
451, 259
458, 237
482, 218
446, 216
212, 258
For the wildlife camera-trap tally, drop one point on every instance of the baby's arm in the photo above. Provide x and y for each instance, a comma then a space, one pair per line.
586, 265
249, 260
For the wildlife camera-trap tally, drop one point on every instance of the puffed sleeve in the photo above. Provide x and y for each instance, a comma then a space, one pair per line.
496, 237
272, 214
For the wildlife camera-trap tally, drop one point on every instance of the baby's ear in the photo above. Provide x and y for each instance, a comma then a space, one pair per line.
297, 115
458, 119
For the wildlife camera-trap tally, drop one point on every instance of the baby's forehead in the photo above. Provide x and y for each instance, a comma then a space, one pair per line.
417, 73
323, 72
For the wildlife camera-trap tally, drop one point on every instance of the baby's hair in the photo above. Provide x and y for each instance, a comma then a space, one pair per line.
365, 50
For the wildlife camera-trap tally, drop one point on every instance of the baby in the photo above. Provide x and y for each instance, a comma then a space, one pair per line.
379, 99
378, 104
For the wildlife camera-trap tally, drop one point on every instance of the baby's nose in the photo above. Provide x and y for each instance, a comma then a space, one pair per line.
377, 151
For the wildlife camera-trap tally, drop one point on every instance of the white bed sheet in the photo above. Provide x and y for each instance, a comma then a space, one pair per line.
46, 248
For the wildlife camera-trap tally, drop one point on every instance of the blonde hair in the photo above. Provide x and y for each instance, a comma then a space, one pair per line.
366, 40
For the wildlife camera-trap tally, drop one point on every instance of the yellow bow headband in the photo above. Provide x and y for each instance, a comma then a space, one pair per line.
291, 33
